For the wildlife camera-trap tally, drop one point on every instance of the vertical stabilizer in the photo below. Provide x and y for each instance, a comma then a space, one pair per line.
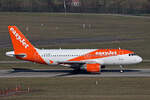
23, 49
20, 43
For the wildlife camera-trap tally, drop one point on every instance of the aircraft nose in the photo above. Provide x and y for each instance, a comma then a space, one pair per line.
139, 59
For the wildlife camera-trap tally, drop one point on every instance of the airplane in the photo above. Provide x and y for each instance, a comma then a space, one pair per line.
90, 60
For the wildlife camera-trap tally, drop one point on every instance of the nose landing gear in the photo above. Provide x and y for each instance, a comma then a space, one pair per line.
121, 69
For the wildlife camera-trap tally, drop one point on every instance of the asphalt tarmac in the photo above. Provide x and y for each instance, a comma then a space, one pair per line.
18, 72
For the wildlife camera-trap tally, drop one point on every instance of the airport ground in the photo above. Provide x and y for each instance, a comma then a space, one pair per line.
46, 30
80, 88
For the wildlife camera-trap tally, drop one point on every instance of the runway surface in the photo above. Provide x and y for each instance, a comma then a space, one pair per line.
17, 72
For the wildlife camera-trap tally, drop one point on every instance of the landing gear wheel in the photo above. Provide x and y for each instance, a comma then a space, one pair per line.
121, 71
76, 71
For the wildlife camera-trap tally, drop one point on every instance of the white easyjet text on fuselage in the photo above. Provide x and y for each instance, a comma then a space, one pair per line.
106, 53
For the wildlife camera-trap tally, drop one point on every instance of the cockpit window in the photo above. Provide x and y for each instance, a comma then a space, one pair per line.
133, 54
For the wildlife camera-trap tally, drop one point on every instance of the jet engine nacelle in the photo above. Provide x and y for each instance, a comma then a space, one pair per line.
92, 67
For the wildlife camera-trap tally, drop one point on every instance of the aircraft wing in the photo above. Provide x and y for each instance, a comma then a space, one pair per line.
77, 62
71, 62
88, 65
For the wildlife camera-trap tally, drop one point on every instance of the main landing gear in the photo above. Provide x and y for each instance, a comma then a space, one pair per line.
121, 69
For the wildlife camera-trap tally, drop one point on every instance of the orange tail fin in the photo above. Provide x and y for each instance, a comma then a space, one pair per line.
23, 49
20, 43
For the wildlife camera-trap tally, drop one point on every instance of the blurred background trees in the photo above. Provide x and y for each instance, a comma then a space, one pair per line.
80, 6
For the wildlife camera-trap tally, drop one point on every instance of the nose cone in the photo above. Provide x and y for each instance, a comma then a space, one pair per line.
139, 59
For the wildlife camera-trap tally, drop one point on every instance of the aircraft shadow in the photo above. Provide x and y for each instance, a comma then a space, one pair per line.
66, 71
127, 70
39, 70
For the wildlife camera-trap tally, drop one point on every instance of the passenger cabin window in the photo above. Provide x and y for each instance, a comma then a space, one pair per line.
133, 54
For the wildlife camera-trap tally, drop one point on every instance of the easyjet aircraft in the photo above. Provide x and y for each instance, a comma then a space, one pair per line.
91, 60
